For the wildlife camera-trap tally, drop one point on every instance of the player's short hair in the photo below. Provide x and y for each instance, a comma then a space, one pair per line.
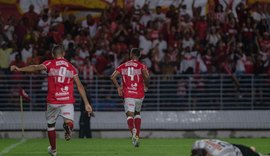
136, 52
198, 152
57, 50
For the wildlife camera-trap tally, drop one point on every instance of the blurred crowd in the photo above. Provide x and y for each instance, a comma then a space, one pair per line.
173, 40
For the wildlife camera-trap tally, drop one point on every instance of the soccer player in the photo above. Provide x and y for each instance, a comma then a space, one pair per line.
135, 77
212, 147
60, 98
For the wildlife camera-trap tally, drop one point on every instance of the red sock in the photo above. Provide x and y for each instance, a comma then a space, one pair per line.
70, 125
52, 137
137, 122
130, 122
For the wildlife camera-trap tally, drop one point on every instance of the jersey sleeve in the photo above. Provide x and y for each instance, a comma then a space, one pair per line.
119, 68
75, 71
144, 67
47, 64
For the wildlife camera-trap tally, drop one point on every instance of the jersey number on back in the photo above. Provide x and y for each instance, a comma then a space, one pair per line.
62, 74
131, 73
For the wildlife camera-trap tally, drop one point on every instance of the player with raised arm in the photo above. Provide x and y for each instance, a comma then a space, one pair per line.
60, 98
213, 147
135, 77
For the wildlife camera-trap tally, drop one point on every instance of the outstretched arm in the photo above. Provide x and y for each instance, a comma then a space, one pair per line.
115, 83
82, 92
31, 68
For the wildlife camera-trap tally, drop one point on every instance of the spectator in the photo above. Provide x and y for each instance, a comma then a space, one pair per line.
26, 52
71, 27
182, 9
83, 52
264, 42
201, 27
256, 12
44, 24
186, 25
213, 36
120, 38
19, 63
267, 14
34, 59
9, 29
264, 57
67, 40
88, 70
200, 67
56, 18
56, 33
219, 14
168, 66
172, 14
146, 17
242, 12
155, 59
5, 52
188, 41
146, 44
208, 60
90, 25
12, 56
158, 15
188, 61
249, 65
70, 51
216, 37
262, 27
20, 33
248, 33
240, 60
31, 18
162, 45
102, 62
82, 38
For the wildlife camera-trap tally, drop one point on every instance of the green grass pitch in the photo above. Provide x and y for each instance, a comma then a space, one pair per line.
115, 147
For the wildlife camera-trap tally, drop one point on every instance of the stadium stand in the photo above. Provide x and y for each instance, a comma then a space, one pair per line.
196, 62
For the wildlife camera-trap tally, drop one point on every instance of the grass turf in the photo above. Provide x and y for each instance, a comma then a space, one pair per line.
117, 147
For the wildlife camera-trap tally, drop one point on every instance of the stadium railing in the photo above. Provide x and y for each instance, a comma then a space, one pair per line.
166, 93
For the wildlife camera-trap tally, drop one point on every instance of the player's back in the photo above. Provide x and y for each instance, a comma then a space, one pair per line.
217, 147
132, 79
60, 81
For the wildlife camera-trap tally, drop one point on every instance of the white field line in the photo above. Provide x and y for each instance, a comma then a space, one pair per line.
9, 148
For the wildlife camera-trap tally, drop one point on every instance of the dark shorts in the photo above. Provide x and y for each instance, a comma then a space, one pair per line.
246, 151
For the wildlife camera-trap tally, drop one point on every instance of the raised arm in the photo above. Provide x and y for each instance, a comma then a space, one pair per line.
82, 92
30, 68
115, 83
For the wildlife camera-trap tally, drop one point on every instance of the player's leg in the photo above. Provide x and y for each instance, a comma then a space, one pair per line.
137, 117
130, 109
51, 117
67, 112
137, 120
68, 127
246, 151
129, 105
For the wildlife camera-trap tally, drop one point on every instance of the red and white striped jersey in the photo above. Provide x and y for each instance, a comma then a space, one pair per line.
132, 79
60, 81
